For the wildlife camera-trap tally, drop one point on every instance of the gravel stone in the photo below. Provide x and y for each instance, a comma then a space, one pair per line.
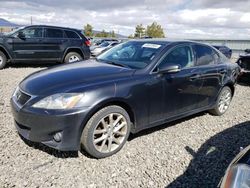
192, 152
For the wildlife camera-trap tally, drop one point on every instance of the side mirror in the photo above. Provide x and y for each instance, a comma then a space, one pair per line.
21, 35
169, 68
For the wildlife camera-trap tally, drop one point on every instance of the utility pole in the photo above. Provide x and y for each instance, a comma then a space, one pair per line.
31, 21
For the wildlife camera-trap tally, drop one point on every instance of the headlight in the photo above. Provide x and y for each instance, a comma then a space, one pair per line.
237, 176
61, 101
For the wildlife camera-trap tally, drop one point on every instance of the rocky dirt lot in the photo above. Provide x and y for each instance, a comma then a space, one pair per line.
192, 152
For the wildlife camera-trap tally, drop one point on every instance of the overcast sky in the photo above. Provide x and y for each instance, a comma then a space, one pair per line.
187, 19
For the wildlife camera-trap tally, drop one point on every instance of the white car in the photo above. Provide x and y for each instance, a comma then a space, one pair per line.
102, 47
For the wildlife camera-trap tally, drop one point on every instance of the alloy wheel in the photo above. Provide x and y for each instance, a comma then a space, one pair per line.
73, 58
224, 101
1, 60
110, 133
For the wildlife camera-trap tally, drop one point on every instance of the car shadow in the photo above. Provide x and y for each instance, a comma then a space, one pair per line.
244, 82
163, 126
50, 151
212, 159
30, 65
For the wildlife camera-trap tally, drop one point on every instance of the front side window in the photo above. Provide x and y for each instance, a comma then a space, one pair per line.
204, 55
33, 32
54, 33
179, 56
134, 54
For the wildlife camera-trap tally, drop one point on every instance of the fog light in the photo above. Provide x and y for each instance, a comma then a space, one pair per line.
57, 137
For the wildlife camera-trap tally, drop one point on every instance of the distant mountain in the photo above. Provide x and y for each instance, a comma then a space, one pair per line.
5, 23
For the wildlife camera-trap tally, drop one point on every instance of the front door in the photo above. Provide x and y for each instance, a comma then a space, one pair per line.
29, 46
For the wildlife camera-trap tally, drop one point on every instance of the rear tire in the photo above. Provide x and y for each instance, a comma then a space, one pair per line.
3, 60
72, 57
106, 132
223, 101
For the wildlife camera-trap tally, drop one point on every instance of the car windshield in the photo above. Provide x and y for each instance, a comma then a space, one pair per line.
133, 54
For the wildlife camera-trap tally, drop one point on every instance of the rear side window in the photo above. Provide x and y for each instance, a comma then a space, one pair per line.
216, 57
54, 33
204, 55
72, 34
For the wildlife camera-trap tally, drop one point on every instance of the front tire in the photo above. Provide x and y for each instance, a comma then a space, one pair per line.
3, 60
72, 57
223, 101
106, 132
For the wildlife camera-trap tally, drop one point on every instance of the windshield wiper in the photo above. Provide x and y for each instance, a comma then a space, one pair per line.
112, 63
117, 64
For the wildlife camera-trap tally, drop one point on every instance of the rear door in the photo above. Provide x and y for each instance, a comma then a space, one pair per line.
55, 42
207, 61
30, 47
180, 90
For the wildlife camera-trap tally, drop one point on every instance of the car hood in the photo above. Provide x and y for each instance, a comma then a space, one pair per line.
68, 77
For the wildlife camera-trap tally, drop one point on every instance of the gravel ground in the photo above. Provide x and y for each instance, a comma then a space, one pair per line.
192, 152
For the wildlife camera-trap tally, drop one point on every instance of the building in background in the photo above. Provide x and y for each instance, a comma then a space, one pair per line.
238, 46
6, 26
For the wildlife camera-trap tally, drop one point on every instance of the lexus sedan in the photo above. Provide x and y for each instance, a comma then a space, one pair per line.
133, 86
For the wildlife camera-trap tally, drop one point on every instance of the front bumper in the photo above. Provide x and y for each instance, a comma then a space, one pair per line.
41, 126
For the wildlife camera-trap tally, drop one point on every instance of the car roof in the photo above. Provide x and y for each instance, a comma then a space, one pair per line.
50, 26
167, 41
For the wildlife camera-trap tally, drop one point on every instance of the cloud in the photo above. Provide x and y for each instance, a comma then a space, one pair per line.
180, 18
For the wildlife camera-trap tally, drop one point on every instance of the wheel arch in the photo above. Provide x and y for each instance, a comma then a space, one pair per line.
73, 49
231, 86
118, 102
6, 53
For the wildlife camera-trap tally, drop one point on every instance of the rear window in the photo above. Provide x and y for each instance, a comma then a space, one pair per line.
71, 34
54, 33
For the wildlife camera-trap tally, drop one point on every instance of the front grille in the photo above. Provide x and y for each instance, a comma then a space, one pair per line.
21, 98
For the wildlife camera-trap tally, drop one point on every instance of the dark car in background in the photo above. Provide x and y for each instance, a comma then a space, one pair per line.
225, 50
38, 43
238, 173
244, 63
133, 86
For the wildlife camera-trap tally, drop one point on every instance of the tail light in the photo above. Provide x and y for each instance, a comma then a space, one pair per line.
87, 42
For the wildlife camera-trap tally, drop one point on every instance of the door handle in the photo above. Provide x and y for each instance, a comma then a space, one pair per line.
194, 77
223, 71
